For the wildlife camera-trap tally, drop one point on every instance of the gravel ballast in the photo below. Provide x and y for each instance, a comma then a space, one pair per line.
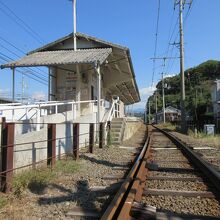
83, 188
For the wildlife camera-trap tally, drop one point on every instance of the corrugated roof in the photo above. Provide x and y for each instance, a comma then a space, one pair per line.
61, 57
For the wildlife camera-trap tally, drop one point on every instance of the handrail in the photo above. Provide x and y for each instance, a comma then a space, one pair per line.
111, 112
48, 104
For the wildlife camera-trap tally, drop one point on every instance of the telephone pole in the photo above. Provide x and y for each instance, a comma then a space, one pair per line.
183, 95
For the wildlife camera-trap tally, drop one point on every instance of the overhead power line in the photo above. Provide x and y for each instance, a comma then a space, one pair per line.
20, 50
156, 41
32, 76
11, 14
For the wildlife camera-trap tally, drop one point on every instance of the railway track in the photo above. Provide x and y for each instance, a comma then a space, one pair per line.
167, 181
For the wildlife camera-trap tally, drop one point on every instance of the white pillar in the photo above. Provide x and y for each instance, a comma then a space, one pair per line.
74, 24
78, 89
99, 91
49, 85
13, 85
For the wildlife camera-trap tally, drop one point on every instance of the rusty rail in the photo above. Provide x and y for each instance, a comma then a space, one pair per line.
212, 174
121, 203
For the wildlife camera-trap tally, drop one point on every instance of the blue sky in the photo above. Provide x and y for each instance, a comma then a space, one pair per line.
123, 22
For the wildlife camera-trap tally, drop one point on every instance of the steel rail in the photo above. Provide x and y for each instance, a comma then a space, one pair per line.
212, 174
132, 188
114, 209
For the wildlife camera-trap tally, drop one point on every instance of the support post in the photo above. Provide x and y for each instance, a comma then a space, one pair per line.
74, 24
97, 67
78, 89
101, 131
13, 85
49, 84
91, 137
76, 141
51, 144
7, 155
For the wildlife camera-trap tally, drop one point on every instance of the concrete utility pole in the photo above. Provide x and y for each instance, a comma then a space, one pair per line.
164, 115
183, 96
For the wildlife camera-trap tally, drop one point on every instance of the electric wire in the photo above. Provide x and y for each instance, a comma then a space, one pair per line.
8, 59
156, 42
43, 77
21, 51
20, 22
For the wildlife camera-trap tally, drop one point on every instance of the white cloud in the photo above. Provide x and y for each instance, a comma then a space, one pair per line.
39, 96
144, 93
169, 75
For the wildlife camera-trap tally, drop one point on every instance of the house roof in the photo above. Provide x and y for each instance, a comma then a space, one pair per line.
170, 109
61, 57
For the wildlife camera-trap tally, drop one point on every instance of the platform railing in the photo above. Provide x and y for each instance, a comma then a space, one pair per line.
18, 111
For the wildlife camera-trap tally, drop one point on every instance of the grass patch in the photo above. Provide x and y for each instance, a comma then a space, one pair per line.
168, 126
3, 201
66, 166
35, 180
110, 138
203, 135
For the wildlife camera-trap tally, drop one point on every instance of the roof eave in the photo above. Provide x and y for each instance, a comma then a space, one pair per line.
132, 70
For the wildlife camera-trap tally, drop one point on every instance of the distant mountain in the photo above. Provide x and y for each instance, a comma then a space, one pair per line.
198, 83
139, 110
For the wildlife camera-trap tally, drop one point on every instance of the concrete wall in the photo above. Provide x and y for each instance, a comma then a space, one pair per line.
131, 127
25, 154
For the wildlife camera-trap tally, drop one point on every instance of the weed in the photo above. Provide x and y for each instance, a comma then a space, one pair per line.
66, 166
3, 201
168, 126
110, 138
32, 179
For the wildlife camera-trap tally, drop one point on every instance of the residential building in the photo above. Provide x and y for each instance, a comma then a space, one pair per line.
172, 115
216, 103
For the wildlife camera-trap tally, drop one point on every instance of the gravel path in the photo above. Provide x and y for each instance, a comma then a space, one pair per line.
68, 191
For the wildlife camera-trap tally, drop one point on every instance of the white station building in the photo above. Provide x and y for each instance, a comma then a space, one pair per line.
95, 73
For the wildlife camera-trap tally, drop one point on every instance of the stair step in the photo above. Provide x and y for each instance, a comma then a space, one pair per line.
116, 123
116, 126
117, 119
116, 134
113, 130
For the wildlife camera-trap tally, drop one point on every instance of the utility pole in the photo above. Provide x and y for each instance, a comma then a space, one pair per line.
183, 96
164, 115
149, 114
